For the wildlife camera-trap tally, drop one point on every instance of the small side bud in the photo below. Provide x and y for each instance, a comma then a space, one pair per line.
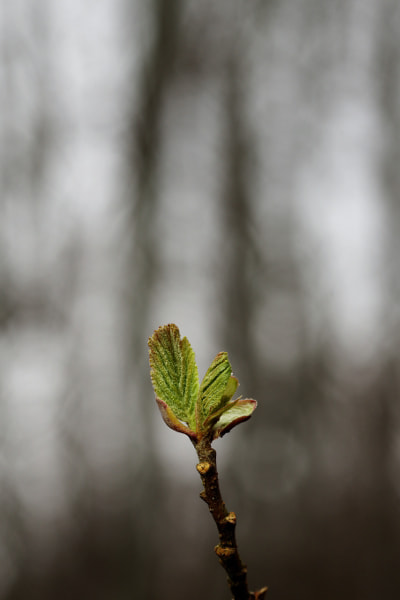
203, 467
231, 518
224, 551
203, 495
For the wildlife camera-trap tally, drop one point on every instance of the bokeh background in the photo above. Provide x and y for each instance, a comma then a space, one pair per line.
232, 167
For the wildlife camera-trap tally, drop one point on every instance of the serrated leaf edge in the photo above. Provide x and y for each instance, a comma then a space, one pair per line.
158, 356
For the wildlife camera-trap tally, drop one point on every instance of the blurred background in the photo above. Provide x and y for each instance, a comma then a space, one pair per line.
232, 167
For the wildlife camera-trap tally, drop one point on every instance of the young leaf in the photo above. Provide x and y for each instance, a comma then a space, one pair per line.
239, 411
230, 389
172, 421
175, 377
216, 386
198, 411
224, 403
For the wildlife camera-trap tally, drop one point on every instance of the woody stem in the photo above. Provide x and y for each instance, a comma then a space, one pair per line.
226, 550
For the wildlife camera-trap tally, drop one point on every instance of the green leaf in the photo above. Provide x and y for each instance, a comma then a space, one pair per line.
230, 389
172, 421
216, 387
198, 411
239, 411
174, 375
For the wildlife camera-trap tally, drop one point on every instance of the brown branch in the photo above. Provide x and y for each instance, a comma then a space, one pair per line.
226, 550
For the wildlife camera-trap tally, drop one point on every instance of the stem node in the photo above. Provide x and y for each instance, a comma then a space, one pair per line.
203, 467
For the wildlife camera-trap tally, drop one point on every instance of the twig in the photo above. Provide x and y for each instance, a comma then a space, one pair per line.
226, 550
203, 411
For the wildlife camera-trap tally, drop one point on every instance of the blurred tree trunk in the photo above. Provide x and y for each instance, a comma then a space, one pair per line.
26, 131
385, 419
239, 277
144, 158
